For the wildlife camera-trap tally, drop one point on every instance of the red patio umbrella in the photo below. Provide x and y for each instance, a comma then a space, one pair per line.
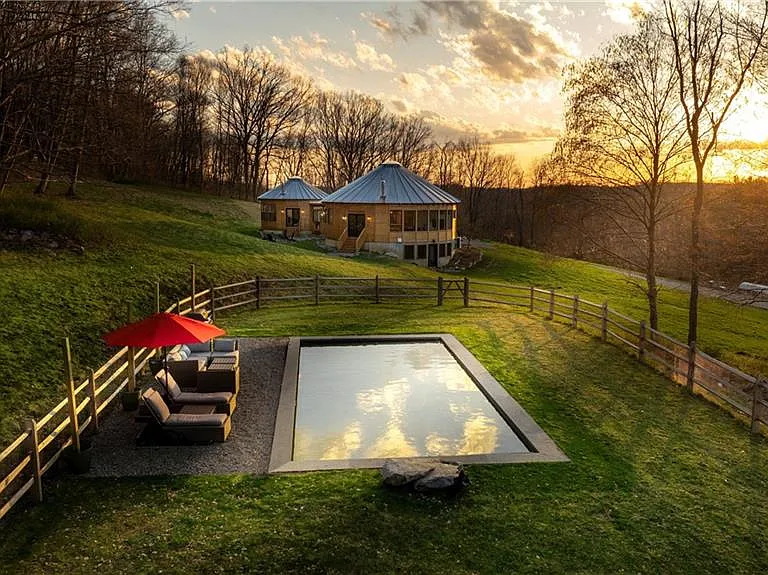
163, 329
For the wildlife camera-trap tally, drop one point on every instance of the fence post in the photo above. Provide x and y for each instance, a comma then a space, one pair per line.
376, 289
178, 306
604, 322
131, 360
212, 291
551, 304
258, 292
92, 396
34, 448
575, 319
192, 278
756, 396
440, 291
71, 397
691, 375
466, 291
641, 342
317, 289
532, 297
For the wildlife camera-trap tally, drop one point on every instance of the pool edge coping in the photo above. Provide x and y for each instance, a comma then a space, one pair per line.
546, 451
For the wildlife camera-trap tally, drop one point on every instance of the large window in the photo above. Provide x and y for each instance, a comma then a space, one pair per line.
441, 250
292, 216
433, 219
396, 221
268, 213
327, 215
443, 219
423, 220
421, 252
408, 252
410, 220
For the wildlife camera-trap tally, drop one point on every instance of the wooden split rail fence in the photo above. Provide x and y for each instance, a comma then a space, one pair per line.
24, 462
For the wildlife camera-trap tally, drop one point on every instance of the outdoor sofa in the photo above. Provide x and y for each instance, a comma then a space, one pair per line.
185, 361
196, 428
224, 401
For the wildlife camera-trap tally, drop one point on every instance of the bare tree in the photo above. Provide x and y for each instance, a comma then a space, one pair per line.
624, 132
714, 48
478, 172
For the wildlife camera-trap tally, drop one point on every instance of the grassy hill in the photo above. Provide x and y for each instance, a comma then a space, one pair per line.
133, 236
659, 481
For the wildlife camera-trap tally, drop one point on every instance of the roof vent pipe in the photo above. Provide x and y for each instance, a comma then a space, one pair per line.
383, 195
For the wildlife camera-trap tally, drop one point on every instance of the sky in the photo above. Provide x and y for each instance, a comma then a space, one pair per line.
488, 67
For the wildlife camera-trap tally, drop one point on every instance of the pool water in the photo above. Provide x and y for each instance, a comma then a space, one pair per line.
392, 400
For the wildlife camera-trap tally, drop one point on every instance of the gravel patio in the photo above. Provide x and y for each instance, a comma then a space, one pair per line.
115, 453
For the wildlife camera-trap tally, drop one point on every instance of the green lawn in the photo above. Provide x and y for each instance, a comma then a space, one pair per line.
132, 236
659, 482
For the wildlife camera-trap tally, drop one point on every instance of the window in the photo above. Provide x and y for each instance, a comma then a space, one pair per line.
268, 213
441, 250
327, 217
317, 214
443, 219
396, 221
410, 220
423, 220
421, 252
408, 252
292, 216
448, 248
433, 219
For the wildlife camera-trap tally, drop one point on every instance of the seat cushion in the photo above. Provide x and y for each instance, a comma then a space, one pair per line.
203, 347
169, 383
194, 398
228, 345
195, 420
156, 405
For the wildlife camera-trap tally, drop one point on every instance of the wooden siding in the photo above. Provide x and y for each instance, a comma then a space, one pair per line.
305, 215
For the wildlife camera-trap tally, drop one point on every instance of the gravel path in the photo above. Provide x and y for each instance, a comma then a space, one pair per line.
247, 450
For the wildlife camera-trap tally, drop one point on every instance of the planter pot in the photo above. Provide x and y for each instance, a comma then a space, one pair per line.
78, 462
130, 400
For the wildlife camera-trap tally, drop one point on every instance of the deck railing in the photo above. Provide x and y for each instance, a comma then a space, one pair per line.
24, 462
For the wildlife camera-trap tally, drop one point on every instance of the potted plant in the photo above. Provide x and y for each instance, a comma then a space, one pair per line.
78, 462
129, 400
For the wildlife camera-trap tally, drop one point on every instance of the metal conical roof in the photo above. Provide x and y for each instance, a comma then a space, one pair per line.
400, 187
294, 189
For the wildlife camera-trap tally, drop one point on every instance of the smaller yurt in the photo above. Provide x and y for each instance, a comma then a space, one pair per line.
392, 210
292, 207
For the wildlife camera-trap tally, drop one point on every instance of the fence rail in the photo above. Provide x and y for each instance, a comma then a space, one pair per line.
36, 450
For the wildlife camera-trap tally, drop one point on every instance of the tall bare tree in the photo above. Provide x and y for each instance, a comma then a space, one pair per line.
714, 47
624, 132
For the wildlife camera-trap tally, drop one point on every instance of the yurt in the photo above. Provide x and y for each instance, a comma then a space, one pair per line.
392, 210
292, 207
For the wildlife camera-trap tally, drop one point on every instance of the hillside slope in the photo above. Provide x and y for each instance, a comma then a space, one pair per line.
131, 237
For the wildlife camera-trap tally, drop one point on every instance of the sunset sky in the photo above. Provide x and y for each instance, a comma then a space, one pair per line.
494, 68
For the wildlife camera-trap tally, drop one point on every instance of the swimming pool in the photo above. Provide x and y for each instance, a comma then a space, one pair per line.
357, 401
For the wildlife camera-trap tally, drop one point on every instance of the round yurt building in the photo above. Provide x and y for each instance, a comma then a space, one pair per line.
292, 207
392, 210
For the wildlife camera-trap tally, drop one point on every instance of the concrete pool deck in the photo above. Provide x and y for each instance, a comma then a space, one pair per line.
542, 448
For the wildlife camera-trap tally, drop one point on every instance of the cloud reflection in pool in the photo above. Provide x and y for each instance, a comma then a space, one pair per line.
392, 400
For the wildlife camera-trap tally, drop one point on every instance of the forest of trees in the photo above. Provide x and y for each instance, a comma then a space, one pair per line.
103, 89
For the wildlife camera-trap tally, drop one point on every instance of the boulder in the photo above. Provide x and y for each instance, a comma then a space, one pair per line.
397, 472
423, 474
442, 477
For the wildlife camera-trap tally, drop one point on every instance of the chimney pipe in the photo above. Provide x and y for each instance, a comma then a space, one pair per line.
383, 195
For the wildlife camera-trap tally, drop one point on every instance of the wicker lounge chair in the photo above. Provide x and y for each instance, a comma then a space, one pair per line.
189, 427
224, 401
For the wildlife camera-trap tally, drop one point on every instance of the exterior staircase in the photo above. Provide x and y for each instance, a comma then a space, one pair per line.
348, 246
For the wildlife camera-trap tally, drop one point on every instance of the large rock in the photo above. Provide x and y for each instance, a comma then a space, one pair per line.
423, 474
443, 476
397, 472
